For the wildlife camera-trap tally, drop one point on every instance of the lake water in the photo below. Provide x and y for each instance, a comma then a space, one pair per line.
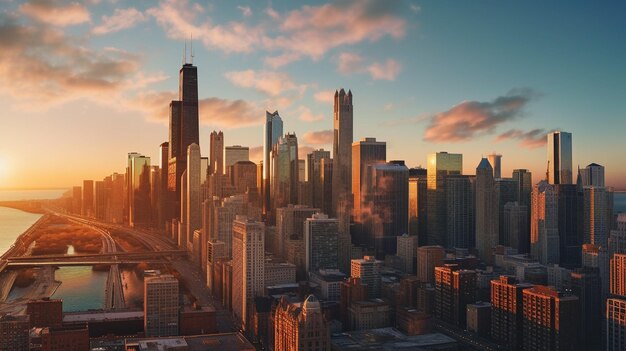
81, 288
12, 224
619, 202
43, 194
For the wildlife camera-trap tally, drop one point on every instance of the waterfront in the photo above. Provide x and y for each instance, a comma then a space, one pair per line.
12, 224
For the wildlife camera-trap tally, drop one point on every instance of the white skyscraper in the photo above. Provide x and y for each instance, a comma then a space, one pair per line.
248, 266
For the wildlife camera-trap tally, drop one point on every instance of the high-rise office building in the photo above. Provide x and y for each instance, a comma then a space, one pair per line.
248, 266
505, 191
285, 171
327, 185
87, 209
342, 158
417, 204
617, 237
550, 320
183, 128
314, 176
387, 201
45, 312
300, 326
365, 153
272, 132
14, 332
429, 257
455, 288
560, 158
368, 270
138, 177
515, 228
77, 200
615, 324
101, 197
597, 215
440, 165
216, 153
594, 256
460, 232
406, 249
593, 175
544, 227
194, 210
234, 154
321, 235
585, 283
570, 213
486, 216
290, 222
495, 160
507, 314
618, 275
160, 305
243, 176
165, 201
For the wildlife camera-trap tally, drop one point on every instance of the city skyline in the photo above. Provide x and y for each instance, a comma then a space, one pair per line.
102, 91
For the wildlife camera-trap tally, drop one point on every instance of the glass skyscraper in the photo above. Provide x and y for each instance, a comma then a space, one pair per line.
560, 158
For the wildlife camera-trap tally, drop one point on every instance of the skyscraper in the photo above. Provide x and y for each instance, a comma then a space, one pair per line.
597, 214
550, 320
160, 305
570, 213
417, 204
183, 128
368, 270
314, 176
165, 200
248, 266
138, 176
460, 212
216, 153
365, 153
321, 236
486, 216
440, 165
87, 209
544, 230
618, 275
429, 257
495, 160
585, 283
516, 234
616, 324
285, 171
454, 289
406, 249
388, 204
194, 211
505, 191
342, 156
272, 132
234, 154
507, 311
559, 158
593, 175
300, 326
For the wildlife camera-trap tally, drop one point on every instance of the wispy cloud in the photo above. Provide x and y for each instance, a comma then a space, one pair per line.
351, 63
321, 137
529, 139
325, 96
384, 71
308, 116
473, 118
56, 12
266, 82
120, 20
245, 10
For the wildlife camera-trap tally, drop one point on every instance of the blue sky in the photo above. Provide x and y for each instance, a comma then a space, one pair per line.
469, 77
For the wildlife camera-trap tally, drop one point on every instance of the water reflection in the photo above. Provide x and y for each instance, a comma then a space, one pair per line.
81, 288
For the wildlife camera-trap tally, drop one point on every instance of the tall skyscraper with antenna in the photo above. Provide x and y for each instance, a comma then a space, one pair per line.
183, 126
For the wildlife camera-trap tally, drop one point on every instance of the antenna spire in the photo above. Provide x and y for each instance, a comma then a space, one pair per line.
185, 55
191, 43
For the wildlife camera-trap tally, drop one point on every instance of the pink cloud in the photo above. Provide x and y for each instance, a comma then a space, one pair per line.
55, 12
321, 137
531, 139
325, 96
473, 118
120, 20
246, 11
308, 116
387, 71
266, 82
349, 63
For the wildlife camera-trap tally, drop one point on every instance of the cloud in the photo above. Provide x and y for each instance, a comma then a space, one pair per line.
313, 30
389, 107
304, 150
308, 116
120, 20
272, 13
531, 139
55, 12
178, 19
40, 63
387, 71
325, 96
473, 118
213, 111
266, 82
321, 137
415, 8
245, 10
351, 63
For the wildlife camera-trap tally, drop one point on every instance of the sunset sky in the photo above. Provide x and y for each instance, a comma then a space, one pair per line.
83, 83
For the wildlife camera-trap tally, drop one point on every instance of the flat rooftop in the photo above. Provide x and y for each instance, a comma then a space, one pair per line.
101, 316
212, 342
388, 339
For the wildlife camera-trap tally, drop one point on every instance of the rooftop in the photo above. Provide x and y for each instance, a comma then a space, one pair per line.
388, 339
